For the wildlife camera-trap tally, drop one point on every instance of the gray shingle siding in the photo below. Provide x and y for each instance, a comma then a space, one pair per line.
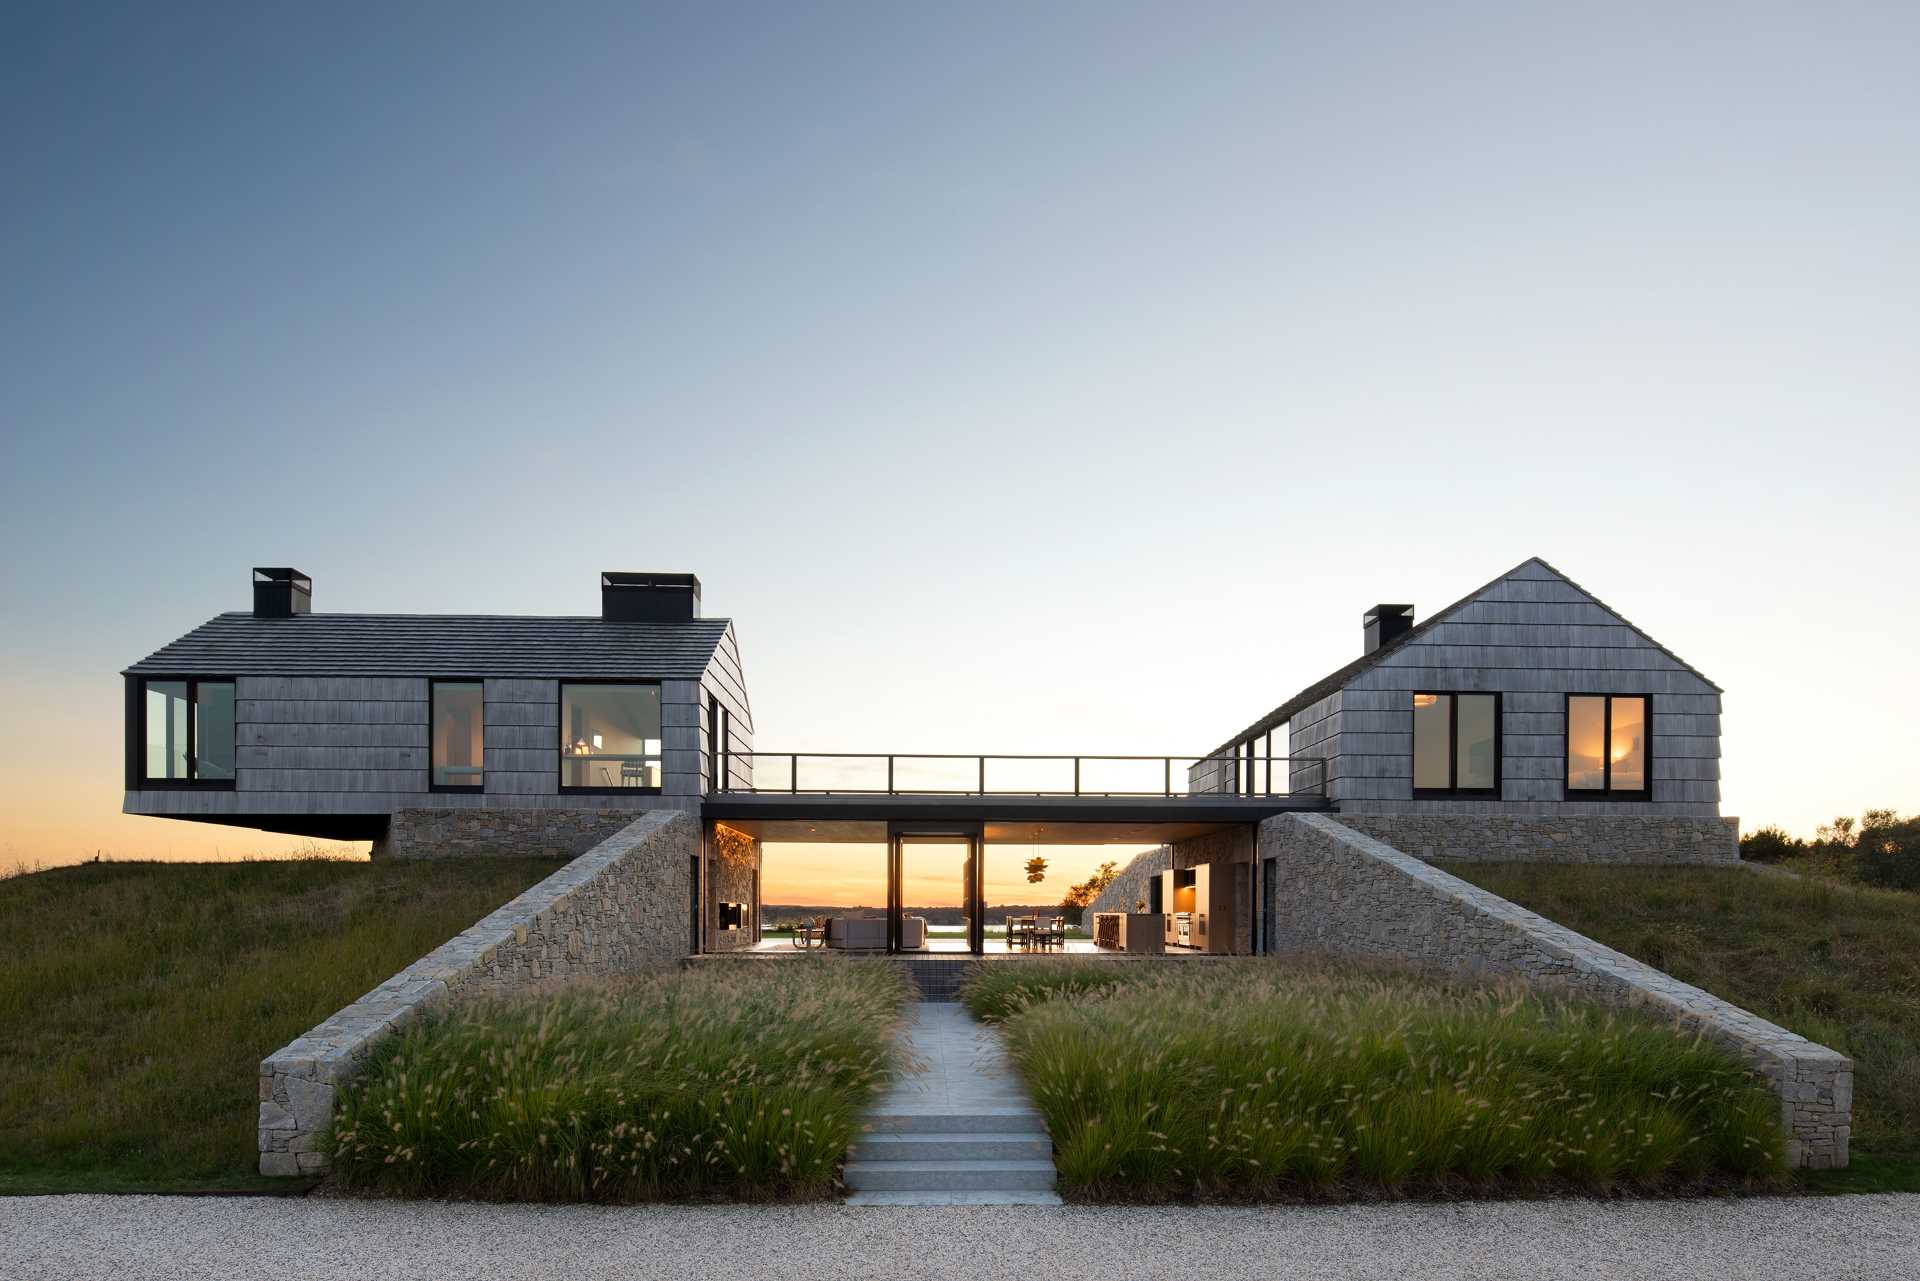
332, 710
1533, 636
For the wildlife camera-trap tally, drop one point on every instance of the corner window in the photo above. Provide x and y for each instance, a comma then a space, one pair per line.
1456, 743
1609, 745
459, 736
610, 738
186, 731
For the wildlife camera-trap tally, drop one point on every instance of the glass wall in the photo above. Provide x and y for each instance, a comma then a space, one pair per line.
459, 734
610, 737
188, 731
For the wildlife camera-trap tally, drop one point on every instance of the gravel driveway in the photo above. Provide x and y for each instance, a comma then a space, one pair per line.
219, 1237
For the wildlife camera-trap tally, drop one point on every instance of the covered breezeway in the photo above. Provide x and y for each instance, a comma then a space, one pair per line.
934, 876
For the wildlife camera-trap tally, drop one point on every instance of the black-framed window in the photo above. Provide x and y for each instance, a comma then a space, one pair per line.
459, 736
186, 732
1456, 744
610, 737
1609, 746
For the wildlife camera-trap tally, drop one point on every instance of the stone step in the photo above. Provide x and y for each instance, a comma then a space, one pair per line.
955, 1197
980, 1145
1000, 1120
949, 1176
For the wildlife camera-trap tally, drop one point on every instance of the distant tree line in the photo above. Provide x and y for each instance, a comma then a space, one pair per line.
1879, 848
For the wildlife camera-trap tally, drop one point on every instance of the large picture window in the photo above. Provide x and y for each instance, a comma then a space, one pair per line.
1609, 745
186, 732
1456, 743
459, 736
610, 738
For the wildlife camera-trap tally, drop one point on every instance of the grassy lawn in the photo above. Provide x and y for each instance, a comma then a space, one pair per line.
139, 998
1289, 1078
1837, 963
734, 1081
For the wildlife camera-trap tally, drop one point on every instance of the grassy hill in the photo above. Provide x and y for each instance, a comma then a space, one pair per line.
139, 998
1837, 963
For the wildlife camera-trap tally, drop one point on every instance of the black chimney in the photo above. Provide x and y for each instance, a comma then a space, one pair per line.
649, 598
281, 593
1385, 624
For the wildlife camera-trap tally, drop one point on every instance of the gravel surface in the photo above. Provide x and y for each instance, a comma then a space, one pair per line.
218, 1237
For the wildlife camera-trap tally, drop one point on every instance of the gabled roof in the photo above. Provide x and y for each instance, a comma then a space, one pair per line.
438, 645
1340, 678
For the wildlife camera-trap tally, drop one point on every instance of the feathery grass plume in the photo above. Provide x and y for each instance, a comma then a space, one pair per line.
1291, 1076
738, 1080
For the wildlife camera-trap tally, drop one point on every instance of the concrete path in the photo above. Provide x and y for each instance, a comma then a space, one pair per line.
958, 1128
217, 1239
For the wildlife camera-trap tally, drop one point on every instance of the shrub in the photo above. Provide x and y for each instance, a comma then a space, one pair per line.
1886, 850
1770, 844
1279, 1077
737, 1080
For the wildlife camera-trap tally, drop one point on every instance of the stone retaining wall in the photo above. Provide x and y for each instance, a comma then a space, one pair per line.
1560, 838
620, 907
499, 833
1130, 886
1340, 890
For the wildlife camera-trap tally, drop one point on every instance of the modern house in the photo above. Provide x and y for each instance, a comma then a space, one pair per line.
1528, 720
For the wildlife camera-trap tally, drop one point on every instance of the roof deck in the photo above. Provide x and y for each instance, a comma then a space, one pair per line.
1061, 799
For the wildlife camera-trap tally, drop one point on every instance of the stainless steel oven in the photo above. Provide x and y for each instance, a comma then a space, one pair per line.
1183, 928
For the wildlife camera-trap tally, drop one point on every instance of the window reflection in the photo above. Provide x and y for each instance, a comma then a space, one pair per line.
1432, 734
1475, 742
1586, 743
213, 730
167, 730
1607, 741
610, 736
458, 734
188, 731
1628, 746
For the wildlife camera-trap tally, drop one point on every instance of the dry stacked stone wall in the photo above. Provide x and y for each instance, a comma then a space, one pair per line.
1340, 890
499, 833
1563, 838
619, 908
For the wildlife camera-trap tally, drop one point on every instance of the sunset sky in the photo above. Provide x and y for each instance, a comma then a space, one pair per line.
1022, 378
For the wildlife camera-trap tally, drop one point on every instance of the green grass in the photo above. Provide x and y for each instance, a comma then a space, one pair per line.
739, 1081
1287, 1077
138, 999
1839, 964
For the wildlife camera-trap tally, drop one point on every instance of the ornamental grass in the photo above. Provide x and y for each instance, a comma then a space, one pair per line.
741, 1080
1285, 1077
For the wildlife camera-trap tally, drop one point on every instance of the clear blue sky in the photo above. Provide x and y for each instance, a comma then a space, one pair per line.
1023, 377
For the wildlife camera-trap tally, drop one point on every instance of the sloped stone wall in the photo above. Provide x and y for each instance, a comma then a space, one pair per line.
1130, 886
620, 907
1342, 891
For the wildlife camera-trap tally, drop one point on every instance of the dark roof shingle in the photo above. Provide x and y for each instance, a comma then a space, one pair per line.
437, 645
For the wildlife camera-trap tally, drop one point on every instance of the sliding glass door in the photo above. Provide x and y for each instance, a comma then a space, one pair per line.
933, 891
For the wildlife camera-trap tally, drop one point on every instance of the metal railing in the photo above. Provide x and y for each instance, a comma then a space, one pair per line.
958, 774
